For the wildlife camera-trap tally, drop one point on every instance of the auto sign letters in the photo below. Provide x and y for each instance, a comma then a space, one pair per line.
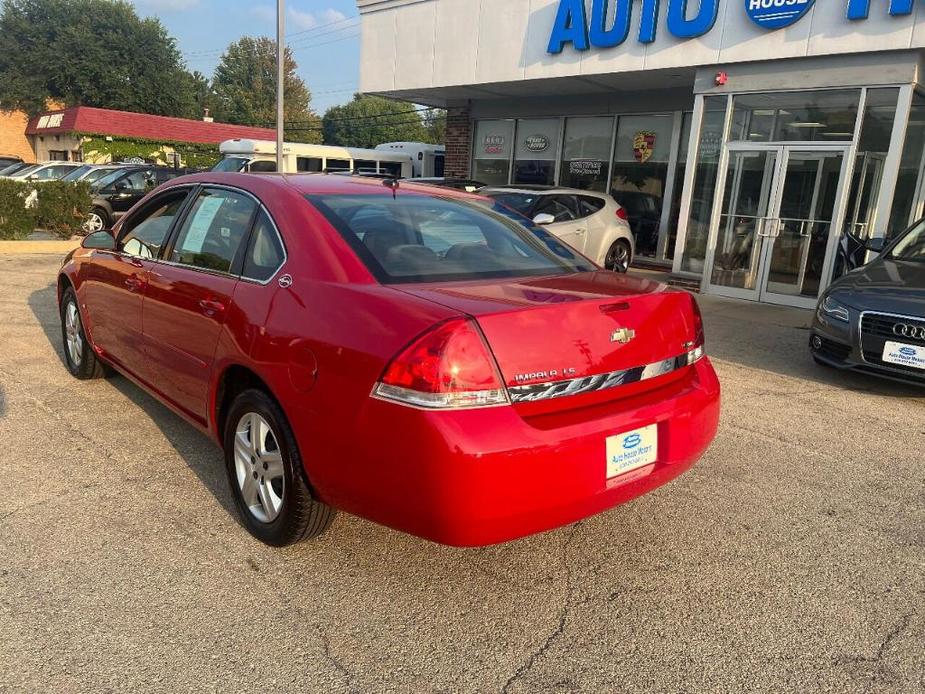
610, 21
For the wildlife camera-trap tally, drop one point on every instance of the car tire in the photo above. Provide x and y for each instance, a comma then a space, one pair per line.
97, 220
619, 256
266, 475
79, 356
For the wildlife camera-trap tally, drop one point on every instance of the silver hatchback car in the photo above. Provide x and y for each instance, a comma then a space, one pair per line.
591, 223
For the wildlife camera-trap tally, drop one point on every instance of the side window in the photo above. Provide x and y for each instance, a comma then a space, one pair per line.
145, 232
263, 166
264, 252
392, 168
214, 230
309, 164
588, 205
338, 165
557, 206
135, 182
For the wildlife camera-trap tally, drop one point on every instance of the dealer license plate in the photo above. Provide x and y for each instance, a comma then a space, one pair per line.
904, 355
632, 450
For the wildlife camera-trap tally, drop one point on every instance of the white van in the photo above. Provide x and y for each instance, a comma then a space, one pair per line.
259, 156
428, 160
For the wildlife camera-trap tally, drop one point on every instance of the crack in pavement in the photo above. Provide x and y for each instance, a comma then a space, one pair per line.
335, 661
877, 659
564, 613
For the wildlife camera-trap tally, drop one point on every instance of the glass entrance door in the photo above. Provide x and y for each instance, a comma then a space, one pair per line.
775, 234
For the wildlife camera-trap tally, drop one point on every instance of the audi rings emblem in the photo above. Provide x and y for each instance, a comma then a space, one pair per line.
913, 332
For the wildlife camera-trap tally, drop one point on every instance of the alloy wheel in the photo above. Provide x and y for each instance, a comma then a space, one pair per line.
93, 223
258, 465
73, 338
618, 258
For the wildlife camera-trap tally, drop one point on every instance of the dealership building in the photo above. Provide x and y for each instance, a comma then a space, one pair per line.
745, 138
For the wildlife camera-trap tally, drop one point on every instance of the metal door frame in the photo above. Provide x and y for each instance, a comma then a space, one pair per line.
768, 228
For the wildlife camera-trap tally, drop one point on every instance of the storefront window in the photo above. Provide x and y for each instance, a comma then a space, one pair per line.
709, 146
640, 172
536, 152
876, 133
680, 172
491, 157
586, 153
909, 169
823, 116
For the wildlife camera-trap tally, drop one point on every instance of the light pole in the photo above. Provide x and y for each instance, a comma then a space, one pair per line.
280, 79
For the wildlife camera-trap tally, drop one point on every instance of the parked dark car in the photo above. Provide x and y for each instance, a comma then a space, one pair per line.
465, 184
873, 319
644, 213
116, 193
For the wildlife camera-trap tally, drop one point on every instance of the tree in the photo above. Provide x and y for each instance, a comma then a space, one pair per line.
368, 121
89, 52
244, 90
435, 125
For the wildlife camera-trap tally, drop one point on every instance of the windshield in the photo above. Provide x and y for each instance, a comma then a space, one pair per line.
110, 178
13, 168
26, 171
419, 238
231, 164
911, 246
76, 174
521, 202
97, 174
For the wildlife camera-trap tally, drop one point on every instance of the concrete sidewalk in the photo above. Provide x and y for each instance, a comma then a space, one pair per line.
31, 247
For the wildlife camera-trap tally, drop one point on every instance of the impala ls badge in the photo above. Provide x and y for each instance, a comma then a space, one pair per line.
624, 336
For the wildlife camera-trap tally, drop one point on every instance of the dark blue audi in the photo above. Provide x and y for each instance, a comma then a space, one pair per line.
873, 319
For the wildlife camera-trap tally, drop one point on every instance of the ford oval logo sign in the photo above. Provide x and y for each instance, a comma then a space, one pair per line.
777, 14
907, 351
631, 441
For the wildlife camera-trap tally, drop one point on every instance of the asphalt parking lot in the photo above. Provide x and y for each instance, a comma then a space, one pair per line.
792, 558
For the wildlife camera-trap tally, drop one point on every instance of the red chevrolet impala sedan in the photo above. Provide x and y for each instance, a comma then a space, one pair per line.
420, 357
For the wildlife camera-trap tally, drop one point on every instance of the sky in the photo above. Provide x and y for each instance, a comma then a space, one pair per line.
323, 35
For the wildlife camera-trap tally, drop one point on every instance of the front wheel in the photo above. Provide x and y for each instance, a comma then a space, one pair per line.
266, 476
97, 220
618, 257
78, 354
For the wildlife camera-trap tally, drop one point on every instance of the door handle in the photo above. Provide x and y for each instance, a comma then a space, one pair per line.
136, 261
210, 307
134, 283
579, 232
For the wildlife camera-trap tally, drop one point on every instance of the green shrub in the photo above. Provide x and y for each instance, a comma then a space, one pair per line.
57, 207
16, 220
62, 207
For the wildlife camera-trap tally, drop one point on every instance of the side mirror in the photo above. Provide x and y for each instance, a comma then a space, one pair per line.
120, 186
543, 219
100, 240
876, 245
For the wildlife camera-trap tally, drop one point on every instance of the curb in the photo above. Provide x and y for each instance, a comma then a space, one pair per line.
37, 247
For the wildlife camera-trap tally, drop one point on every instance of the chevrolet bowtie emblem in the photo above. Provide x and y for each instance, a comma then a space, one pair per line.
624, 336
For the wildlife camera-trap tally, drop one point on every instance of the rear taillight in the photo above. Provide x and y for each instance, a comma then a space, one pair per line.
696, 347
621, 214
699, 340
448, 367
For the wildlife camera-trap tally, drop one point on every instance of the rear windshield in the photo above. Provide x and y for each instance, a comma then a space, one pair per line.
418, 238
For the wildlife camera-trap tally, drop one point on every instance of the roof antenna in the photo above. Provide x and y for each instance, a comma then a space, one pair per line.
393, 184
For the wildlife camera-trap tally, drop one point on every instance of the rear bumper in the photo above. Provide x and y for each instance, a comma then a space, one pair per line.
481, 477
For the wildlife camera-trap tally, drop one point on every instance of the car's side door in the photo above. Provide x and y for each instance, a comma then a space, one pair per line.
114, 281
190, 294
567, 225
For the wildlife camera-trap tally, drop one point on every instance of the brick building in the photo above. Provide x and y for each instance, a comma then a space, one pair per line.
83, 133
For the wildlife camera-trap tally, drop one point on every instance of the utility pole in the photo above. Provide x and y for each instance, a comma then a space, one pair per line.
280, 79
